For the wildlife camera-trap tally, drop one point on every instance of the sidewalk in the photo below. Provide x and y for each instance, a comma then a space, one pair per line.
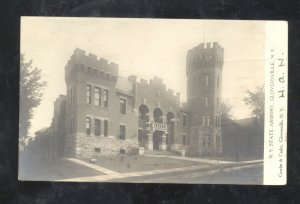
208, 161
211, 167
115, 175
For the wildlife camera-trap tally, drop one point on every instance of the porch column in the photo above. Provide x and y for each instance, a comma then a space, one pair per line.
150, 140
149, 133
163, 144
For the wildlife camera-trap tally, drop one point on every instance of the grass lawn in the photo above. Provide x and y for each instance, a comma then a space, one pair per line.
47, 170
133, 163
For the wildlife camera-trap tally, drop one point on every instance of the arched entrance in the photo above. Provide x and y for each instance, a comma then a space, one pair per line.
158, 115
158, 118
170, 123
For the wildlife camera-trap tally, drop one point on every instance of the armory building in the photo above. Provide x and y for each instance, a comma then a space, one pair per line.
104, 113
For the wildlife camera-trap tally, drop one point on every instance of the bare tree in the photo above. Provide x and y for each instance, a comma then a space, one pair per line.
226, 110
31, 86
256, 101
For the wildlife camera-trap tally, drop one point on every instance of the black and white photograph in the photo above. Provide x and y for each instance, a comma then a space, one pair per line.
152, 100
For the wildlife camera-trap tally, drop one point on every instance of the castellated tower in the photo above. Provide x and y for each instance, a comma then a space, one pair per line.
84, 75
204, 65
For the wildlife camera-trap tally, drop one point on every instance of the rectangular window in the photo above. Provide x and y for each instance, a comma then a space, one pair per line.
97, 149
88, 125
218, 101
88, 94
206, 101
206, 80
71, 97
97, 97
208, 140
122, 132
208, 120
184, 120
204, 140
105, 98
203, 120
105, 128
97, 127
123, 106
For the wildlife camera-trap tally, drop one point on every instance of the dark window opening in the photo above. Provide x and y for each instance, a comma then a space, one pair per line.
88, 94
97, 127
123, 106
122, 132
105, 98
105, 128
97, 149
184, 120
97, 97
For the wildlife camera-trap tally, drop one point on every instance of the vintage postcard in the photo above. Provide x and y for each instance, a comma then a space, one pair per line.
153, 100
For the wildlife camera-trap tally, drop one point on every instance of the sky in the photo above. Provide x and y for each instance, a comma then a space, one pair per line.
146, 48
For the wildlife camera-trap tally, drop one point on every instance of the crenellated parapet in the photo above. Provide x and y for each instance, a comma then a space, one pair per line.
205, 55
91, 64
157, 84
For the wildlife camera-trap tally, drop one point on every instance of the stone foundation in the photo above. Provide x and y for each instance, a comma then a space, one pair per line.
90, 146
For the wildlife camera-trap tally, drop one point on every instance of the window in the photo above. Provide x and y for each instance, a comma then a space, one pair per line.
218, 101
184, 120
97, 149
206, 101
203, 120
204, 140
184, 139
71, 96
88, 94
122, 132
88, 125
123, 106
208, 140
97, 98
105, 98
208, 121
97, 127
206, 80
105, 128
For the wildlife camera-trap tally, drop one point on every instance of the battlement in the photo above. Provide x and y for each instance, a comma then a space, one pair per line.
91, 61
157, 82
205, 56
205, 50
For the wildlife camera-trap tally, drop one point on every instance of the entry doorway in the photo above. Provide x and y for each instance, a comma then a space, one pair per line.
157, 139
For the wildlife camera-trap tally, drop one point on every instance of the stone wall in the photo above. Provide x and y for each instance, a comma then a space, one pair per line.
86, 146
